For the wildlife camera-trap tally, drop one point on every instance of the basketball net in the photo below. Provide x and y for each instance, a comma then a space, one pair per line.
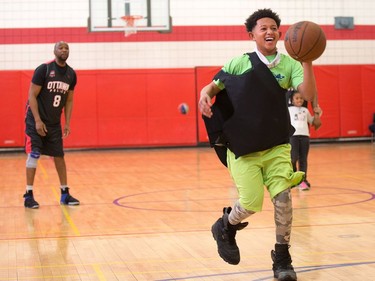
130, 24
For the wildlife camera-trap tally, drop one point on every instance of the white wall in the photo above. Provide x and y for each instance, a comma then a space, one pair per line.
68, 13
55, 13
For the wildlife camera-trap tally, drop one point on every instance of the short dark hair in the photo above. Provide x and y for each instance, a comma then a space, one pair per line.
291, 95
251, 21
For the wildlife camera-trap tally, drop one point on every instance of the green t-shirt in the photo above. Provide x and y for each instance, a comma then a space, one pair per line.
289, 72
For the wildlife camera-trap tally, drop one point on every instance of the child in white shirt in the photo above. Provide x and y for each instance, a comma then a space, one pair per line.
301, 119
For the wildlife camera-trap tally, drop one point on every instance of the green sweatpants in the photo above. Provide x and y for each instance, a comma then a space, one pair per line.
270, 168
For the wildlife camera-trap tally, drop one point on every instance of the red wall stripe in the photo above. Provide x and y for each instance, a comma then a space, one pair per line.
139, 107
179, 33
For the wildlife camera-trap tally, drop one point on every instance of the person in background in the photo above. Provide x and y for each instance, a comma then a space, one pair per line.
256, 136
301, 118
51, 91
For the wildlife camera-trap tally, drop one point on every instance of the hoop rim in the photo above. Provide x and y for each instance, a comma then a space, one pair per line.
130, 26
131, 17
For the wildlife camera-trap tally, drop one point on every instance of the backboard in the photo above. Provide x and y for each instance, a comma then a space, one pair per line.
108, 15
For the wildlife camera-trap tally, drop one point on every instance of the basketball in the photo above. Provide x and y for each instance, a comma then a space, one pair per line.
183, 108
305, 41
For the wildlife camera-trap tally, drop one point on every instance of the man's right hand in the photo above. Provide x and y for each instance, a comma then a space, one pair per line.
205, 105
41, 128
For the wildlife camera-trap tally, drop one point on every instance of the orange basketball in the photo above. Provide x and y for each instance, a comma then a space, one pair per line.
305, 41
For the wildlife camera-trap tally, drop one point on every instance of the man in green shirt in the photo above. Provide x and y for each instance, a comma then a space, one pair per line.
256, 136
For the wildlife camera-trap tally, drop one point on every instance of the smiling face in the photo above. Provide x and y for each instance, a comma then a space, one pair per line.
297, 100
265, 34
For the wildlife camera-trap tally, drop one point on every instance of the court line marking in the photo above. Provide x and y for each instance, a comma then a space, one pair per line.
297, 269
63, 208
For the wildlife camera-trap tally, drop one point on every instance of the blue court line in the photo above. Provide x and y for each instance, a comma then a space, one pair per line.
139, 205
297, 269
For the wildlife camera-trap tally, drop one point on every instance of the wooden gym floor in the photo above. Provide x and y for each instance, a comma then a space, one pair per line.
146, 214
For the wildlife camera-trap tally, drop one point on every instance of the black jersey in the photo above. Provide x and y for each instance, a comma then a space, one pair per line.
56, 81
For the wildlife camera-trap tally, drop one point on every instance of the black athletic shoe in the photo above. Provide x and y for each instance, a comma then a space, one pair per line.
308, 184
224, 233
67, 199
282, 263
29, 200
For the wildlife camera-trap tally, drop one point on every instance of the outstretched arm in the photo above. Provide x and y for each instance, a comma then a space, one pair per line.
207, 93
308, 88
317, 122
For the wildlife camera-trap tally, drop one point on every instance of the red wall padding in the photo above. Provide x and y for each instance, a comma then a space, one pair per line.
12, 107
133, 108
139, 108
366, 96
327, 79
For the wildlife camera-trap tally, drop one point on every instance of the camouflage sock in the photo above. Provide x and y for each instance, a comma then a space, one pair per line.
283, 216
238, 214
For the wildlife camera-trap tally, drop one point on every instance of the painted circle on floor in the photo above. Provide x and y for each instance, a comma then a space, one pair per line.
203, 200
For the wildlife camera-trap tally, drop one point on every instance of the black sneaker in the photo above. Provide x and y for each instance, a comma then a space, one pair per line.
282, 263
308, 184
29, 200
67, 199
225, 235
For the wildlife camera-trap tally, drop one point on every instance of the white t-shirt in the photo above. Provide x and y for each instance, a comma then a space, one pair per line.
300, 118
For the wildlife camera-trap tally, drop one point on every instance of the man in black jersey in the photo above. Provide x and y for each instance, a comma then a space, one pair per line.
51, 91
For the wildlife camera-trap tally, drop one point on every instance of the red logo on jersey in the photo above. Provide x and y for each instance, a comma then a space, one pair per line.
52, 74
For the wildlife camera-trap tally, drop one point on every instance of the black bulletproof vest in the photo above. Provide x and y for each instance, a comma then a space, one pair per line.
250, 114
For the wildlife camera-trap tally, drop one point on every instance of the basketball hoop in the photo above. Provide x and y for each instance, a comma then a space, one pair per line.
130, 24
